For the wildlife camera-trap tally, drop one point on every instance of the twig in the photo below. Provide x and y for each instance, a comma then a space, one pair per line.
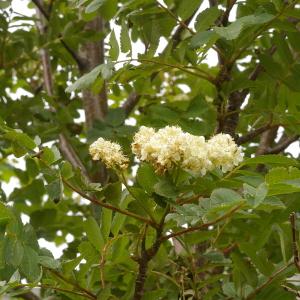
289, 289
283, 145
268, 281
131, 102
146, 256
182, 24
205, 225
294, 240
253, 133
46, 15
111, 207
74, 284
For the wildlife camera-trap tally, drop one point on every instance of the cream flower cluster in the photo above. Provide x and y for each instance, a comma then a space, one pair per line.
170, 146
109, 153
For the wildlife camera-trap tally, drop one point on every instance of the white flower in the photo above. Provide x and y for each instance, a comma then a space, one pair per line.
223, 152
109, 153
170, 146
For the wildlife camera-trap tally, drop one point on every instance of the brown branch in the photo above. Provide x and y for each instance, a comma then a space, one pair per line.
267, 282
46, 15
283, 145
74, 284
253, 133
131, 102
182, 23
29, 296
64, 145
111, 207
290, 290
146, 256
205, 225
294, 241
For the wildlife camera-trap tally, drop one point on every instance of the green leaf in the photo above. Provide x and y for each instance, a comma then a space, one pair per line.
5, 214
260, 194
55, 190
204, 37
66, 170
272, 160
146, 177
207, 18
232, 31
85, 81
94, 5
106, 217
224, 195
125, 38
50, 155
13, 251
165, 188
30, 264
48, 262
114, 47
94, 233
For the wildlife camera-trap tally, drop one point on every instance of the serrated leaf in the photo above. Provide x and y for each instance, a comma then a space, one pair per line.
207, 18
114, 47
48, 262
125, 38
146, 177
29, 265
94, 5
55, 190
232, 31
94, 233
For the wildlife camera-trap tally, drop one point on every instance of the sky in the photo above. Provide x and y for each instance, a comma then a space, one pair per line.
21, 7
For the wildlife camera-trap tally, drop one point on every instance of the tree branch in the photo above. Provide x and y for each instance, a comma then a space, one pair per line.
253, 133
205, 225
146, 256
46, 15
131, 102
283, 145
111, 207
29, 296
268, 281
65, 147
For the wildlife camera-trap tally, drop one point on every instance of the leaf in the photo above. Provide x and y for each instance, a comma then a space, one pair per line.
106, 217
272, 160
207, 18
224, 195
30, 264
5, 214
66, 170
13, 251
165, 188
55, 190
50, 155
201, 38
94, 233
94, 5
48, 262
125, 38
114, 47
260, 194
232, 31
85, 81
146, 177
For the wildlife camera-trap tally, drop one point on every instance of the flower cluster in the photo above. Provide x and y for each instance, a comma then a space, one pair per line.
170, 146
109, 153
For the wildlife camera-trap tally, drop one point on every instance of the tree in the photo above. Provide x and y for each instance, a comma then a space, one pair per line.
189, 219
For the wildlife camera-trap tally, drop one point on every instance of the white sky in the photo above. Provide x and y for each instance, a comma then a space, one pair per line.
20, 6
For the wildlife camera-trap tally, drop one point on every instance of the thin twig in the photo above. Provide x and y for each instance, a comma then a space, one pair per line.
111, 207
74, 284
268, 281
182, 24
205, 225
294, 240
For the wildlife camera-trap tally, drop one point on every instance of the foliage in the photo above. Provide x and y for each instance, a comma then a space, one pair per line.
140, 234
